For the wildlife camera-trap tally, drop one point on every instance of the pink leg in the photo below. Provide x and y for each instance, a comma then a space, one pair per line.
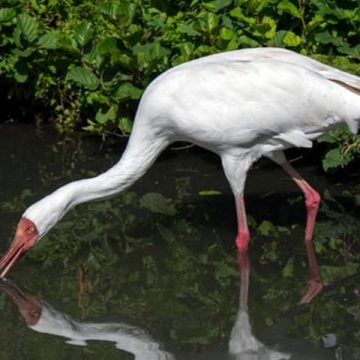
243, 235
242, 244
312, 201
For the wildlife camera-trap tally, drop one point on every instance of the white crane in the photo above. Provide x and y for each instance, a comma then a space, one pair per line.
242, 105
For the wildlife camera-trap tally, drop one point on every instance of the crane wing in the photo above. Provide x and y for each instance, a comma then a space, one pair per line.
279, 54
296, 138
338, 76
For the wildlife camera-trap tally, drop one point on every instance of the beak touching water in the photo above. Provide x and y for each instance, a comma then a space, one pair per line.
25, 237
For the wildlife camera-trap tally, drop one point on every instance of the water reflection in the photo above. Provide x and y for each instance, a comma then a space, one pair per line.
42, 317
243, 345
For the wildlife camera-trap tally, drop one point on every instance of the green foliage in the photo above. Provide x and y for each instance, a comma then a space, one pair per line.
158, 204
343, 148
87, 63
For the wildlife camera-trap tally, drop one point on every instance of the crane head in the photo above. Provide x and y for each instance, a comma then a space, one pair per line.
25, 237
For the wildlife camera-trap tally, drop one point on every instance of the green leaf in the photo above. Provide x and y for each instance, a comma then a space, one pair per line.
233, 44
156, 51
288, 6
238, 14
209, 22
267, 28
209, 192
188, 29
150, 55
288, 270
330, 138
186, 49
186, 53
159, 204
217, 5
109, 9
68, 44
26, 29
127, 91
334, 159
122, 59
266, 228
107, 46
255, 5
324, 37
83, 33
335, 244
290, 39
7, 14
125, 125
84, 77
24, 52
97, 98
227, 34
104, 114
122, 11
49, 40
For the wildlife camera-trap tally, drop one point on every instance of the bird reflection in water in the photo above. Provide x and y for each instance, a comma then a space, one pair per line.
243, 345
42, 317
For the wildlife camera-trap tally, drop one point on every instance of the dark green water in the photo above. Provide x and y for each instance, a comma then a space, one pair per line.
152, 274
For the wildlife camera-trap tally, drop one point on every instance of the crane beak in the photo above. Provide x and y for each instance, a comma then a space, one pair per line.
15, 252
25, 237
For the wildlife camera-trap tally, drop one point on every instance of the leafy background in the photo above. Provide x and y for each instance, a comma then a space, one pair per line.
79, 63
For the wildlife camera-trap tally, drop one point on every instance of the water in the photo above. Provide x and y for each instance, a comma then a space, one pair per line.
153, 274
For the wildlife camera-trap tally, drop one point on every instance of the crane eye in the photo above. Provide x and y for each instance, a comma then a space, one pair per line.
30, 229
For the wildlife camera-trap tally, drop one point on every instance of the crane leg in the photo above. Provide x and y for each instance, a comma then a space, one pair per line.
242, 244
236, 168
243, 234
312, 201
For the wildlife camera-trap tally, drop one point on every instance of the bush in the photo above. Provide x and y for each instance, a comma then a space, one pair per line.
85, 63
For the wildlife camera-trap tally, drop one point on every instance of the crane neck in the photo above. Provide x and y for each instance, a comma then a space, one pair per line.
138, 156
142, 150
